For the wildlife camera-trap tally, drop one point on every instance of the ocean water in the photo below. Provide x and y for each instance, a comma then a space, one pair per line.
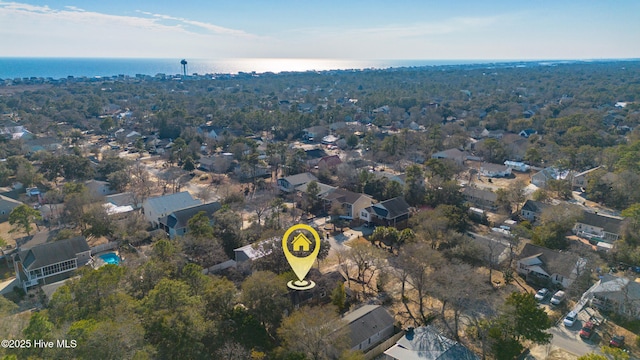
57, 68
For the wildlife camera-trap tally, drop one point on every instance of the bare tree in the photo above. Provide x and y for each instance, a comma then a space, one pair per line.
414, 267
261, 204
459, 288
232, 351
140, 185
368, 260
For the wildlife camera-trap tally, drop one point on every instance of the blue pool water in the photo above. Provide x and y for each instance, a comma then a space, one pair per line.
110, 258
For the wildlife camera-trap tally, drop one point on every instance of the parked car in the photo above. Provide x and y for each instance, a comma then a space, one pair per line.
557, 298
570, 319
617, 341
541, 294
587, 330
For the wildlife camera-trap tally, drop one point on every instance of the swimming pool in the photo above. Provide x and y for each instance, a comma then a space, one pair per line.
110, 258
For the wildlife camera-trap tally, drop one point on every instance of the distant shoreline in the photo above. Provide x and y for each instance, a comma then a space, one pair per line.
59, 68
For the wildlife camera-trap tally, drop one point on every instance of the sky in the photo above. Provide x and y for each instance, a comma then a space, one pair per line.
328, 29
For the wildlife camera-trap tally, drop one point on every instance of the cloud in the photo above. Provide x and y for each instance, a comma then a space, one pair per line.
31, 30
203, 25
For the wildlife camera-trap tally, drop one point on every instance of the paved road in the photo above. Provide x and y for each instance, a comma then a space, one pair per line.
569, 340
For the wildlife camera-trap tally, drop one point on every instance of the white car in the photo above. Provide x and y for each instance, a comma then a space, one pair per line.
541, 294
570, 319
557, 298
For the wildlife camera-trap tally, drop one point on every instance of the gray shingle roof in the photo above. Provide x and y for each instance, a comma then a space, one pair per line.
534, 206
169, 203
493, 167
553, 262
367, 321
391, 208
299, 179
180, 218
121, 199
427, 343
54, 252
609, 224
343, 196
480, 194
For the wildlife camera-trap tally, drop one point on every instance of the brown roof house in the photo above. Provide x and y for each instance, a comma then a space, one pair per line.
546, 267
352, 203
50, 262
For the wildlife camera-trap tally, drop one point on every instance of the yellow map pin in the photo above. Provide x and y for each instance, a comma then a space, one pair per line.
301, 265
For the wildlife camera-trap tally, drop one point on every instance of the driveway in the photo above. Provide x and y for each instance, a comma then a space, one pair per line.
569, 340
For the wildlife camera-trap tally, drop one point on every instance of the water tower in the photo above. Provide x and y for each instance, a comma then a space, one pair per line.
183, 62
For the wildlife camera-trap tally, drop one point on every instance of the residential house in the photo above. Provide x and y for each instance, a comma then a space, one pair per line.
546, 267
323, 189
314, 155
329, 162
527, 132
452, 154
319, 294
176, 223
330, 139
369, 326
7, 205
50, 262
98, 189
494, 170
246, 172
428, 343
158, 207
480, 198
599, 227
388, 213
399, 178
618, 294
42, 144
517, 166
120, 203
580, 179
255, 251
218, 163
210, 131
531, 210
11, 130
351, 203
290, 183
541, 178
315, 133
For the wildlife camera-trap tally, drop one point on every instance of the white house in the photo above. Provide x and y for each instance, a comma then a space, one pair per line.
594, 225
494, 170
547, 267
517, 166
